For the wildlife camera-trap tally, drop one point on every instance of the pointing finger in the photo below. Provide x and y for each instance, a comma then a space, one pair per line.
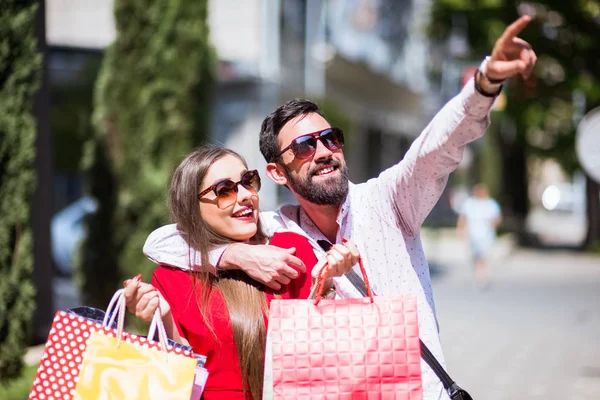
515, 28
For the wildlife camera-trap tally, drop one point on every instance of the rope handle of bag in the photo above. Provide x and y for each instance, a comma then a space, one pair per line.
117, 309
318, 288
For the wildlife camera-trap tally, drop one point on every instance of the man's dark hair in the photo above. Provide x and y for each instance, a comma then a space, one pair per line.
277, 119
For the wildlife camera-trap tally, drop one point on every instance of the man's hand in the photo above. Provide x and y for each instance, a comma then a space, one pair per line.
267, 264
511, 55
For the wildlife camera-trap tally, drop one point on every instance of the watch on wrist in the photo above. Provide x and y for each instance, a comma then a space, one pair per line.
483, 70
494, 85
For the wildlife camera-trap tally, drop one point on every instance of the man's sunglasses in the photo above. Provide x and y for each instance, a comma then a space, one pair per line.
305, 146
226, 190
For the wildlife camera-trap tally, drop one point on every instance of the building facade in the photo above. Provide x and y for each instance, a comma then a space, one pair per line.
368, 58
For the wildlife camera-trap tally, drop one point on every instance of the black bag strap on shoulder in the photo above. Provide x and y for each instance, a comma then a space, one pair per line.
454, 391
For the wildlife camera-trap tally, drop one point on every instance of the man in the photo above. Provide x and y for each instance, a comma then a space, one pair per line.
479, 218
382, 216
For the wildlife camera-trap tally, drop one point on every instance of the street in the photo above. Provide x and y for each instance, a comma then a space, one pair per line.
534, 334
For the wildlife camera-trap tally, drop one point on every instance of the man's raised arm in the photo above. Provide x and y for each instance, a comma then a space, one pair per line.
417, 182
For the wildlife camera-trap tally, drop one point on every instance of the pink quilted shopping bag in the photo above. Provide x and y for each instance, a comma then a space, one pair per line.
364, 348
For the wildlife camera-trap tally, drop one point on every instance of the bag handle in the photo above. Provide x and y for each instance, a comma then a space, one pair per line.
158, 325
117, 309
321, 282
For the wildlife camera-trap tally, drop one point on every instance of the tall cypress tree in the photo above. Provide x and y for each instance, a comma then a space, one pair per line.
150, 100
20, 65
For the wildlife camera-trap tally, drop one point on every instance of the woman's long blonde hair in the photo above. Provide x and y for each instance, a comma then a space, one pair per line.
245, 298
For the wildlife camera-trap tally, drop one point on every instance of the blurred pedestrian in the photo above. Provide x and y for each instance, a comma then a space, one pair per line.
479, 219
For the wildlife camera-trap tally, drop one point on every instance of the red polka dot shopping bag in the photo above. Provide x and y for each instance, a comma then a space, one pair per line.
87, 358
343, 349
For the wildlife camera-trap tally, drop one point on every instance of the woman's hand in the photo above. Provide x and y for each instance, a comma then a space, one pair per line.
143, 299
338, 260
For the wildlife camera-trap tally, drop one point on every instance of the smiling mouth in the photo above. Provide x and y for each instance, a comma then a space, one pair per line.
325, 171
247, 212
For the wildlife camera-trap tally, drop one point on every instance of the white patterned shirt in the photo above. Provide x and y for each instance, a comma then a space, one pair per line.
383, 217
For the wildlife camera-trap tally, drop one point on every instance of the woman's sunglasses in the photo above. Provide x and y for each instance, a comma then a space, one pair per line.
226, 190
305, 146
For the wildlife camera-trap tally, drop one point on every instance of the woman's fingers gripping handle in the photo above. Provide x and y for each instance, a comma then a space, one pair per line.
341, 258
143, 300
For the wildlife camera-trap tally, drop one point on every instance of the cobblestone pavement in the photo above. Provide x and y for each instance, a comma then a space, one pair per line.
534, 334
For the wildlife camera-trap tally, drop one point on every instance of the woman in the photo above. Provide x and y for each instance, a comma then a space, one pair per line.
214, 201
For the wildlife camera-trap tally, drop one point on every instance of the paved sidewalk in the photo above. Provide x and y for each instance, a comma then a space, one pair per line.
535, 334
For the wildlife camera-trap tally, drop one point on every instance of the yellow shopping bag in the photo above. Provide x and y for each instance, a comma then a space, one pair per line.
112, 370
119, 365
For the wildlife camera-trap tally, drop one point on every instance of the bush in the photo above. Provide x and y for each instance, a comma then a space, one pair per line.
19, 78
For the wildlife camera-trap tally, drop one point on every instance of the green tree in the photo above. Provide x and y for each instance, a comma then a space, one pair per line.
541, 114
150, 109
20, 65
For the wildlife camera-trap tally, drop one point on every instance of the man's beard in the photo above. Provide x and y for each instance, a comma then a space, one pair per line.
330, 191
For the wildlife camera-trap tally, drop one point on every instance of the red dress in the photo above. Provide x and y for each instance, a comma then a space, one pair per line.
225, 378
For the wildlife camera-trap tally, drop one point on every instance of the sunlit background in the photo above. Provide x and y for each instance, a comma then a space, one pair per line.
122, 100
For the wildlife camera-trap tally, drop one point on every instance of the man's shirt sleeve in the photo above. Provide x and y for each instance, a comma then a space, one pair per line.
412, 187
166, 246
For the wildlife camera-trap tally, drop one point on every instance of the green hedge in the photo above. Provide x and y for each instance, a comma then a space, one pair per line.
20, 65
